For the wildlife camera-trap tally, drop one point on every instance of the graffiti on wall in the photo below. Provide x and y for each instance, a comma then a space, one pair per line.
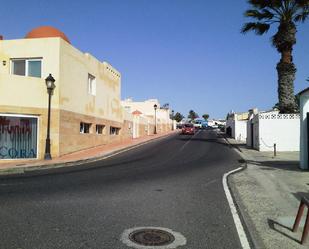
18, 137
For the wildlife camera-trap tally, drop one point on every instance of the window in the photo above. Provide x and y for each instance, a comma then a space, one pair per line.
27, 67
128, 108
99, 129
84, 127
114, 130
91, 84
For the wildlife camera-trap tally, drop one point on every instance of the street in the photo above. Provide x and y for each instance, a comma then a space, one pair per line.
174, 182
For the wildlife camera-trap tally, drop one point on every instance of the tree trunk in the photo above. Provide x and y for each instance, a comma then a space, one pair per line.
284, 40
286, 76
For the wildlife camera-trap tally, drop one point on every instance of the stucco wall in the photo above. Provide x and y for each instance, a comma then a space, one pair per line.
304, 109
25, 91
240, 130
280, 129
74, 69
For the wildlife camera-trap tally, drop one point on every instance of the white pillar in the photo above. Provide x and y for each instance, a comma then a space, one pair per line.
304, 108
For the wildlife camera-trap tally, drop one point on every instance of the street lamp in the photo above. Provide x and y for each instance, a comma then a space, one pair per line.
50, 84
155, 128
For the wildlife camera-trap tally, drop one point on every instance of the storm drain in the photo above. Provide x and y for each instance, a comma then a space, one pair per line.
152, 237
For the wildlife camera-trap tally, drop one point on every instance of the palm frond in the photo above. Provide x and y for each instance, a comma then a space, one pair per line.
302, 3
258, 27
302, 17
260, 15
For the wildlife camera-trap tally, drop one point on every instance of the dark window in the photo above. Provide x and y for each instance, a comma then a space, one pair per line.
114, 130
85, 127
27, 67
99, 129
19, 67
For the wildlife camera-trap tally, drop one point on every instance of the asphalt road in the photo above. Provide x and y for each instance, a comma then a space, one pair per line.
174, 182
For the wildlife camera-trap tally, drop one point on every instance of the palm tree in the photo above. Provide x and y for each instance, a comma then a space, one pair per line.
286, 14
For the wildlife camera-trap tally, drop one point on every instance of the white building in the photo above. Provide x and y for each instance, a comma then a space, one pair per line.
304, 125
236, 125
267, 130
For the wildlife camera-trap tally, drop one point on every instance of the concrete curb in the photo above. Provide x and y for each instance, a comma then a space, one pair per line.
70, 166
245, 220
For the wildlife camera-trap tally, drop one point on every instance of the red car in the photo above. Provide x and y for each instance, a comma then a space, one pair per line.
188, 129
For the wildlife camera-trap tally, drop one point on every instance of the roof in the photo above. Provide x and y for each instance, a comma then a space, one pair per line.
46, 31
303, 91
137, 112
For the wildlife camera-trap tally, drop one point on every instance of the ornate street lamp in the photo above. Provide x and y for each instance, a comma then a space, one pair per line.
50, 84
155, 128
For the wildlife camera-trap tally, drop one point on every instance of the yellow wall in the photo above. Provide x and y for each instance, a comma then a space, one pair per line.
74, 96
25, 91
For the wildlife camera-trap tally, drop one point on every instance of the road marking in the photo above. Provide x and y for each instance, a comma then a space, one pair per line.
182, 147
240, 230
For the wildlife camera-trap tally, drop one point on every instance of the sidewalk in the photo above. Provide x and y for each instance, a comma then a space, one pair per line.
74, 159
267, 194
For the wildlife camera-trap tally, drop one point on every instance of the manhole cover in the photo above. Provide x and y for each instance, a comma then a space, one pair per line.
151, 237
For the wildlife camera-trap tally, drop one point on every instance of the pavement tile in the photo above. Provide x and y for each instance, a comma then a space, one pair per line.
8, 167
268, 194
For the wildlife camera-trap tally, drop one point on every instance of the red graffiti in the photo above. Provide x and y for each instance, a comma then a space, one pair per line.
17, 126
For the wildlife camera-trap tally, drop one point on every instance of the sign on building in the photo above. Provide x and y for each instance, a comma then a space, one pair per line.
18, 137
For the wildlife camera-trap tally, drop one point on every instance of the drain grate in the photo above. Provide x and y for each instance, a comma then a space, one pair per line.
151, 237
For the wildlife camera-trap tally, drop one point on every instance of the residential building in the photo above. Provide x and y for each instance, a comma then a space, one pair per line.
269, 131
304, 128
86, 108
236, 125
145, 110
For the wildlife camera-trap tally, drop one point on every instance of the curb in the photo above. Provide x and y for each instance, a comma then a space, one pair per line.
243, 217
239, 223
70, 166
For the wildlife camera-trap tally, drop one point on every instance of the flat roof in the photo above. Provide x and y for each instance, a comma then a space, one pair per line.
303, 91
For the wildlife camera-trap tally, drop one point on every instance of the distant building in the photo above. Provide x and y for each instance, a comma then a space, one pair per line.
236, 125
146, 113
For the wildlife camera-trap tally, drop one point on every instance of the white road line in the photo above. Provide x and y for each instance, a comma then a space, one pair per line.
182, 147
240, 230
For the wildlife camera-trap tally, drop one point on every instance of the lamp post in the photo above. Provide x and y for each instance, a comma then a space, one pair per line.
155, 128
50, 84
172, 120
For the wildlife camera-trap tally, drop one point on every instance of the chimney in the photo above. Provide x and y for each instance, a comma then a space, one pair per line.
1, 37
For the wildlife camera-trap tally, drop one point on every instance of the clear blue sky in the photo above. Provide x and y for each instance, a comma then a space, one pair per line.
189, 53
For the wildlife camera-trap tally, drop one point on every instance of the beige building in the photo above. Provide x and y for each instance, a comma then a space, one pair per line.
86, 107
148, 115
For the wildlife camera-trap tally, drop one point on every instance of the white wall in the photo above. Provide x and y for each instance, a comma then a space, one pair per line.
304, 108
280, 129
240, 130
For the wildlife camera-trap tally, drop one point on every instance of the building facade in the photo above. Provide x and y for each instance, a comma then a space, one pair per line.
159, 118
86, 108
236, 125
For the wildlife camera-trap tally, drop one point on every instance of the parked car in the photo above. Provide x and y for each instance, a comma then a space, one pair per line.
188, 129
198, 124
179, 126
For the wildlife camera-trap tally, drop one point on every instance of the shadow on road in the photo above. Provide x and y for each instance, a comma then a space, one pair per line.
273, 165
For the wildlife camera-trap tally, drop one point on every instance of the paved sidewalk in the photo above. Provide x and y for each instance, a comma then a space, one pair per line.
268, 194
74, 159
